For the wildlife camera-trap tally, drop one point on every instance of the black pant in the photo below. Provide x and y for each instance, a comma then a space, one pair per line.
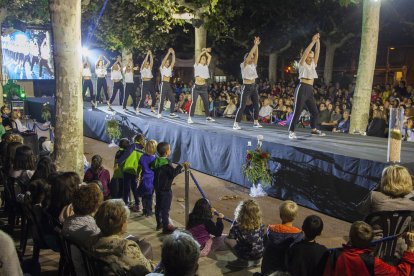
85, 85
147, 87
304, 96
130, 90
162, 208
147, 205
195, 92
34, 60
45, 63
130, 183
101, 83
117, 86
248, 90
166, 92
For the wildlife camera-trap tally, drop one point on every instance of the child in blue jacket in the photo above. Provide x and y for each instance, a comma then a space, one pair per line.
146, 187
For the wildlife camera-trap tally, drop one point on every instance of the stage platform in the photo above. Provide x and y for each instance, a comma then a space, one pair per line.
330, 174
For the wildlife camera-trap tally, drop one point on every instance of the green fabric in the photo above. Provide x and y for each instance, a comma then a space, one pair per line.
159, 162
2, 130
131, 163
118, 172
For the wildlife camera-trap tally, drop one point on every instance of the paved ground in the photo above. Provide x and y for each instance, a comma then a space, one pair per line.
334, 234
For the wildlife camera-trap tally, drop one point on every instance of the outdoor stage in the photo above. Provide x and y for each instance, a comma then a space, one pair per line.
330, 174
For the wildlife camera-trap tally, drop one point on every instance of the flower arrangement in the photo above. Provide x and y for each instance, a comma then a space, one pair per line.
255, 169
113, 130
46, 114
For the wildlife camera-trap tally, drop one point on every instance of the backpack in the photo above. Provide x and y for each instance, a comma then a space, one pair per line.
368, 259
131, 163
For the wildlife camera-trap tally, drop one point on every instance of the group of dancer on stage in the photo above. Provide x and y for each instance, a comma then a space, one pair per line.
303, 92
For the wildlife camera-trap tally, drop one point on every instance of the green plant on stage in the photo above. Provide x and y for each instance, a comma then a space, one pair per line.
112, 129
46, 114
255, 169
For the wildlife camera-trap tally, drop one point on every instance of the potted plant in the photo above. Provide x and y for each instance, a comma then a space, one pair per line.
46, 114
113, 131
256, 170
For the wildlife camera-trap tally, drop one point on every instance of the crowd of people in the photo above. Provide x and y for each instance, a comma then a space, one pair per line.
92, 214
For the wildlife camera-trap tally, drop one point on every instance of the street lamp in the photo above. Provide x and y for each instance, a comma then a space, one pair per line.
389, 48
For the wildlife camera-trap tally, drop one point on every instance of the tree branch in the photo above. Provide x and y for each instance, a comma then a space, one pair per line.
343, 40
193, 8
244, 44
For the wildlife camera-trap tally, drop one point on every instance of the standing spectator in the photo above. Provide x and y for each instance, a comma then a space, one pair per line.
146, 187
98, 172
116, 186
246, 235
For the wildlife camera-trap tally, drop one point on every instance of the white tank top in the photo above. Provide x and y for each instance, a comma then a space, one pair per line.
166, 72
86, 72
307, 71
201, 71
249, 71
146, 73
100, 72
116, 75
129, 77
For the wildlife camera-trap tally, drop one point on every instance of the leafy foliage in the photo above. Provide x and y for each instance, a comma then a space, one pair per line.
113, 129
255, 169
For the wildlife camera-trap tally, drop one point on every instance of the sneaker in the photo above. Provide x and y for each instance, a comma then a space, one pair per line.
152, 110
138, 110
173, 115
135, 209
318, 132
236, 126
190, 121
257, 125
169, 230
292, 135
159, 116
210, 119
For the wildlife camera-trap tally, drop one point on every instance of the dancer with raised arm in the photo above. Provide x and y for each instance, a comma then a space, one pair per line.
304, 90
101, 67
166, 90
129, 84
116, 77
147, 85
249, 88
87, 81
201, 74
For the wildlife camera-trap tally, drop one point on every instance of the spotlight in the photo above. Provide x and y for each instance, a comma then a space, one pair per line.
85, 52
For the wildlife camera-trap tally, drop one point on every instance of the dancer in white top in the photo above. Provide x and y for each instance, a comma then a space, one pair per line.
129, 84
101, 67
165, 86
44, 58
116, 77
201, 74
147, 85
87, 82
304, 90
249, 88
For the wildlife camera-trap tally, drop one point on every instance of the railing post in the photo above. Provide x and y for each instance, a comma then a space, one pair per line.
187, 194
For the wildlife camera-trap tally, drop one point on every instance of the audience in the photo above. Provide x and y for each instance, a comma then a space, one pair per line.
120, 255
9, 261
98, 173
146, 187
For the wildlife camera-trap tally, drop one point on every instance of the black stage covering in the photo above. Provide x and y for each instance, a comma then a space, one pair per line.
330, 174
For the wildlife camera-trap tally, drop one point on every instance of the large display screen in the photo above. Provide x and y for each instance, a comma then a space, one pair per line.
27, 55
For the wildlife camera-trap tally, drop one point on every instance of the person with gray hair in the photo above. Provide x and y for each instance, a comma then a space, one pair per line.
179, 255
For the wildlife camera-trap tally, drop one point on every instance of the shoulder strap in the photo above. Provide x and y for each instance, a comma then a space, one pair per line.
333, 257
369, 261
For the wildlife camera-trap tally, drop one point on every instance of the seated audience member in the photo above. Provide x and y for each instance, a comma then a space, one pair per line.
356, 258
80, 227
9, 261
63, 187
395, 192
408, 130
45, 146
288, 117
24, 164
336, 115
16, 123
99, 173
187, 104
378, 124
307, 257
179, 255
179, 105
121, 255
5, 116
245, 239
202, 227
2, 129
45, 167
343, 124
265, 112
230, 110
280, 237
324, 118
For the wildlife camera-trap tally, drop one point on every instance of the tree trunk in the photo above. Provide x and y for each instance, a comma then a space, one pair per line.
1, 73
66, 26
366, 66
200, 40
329, 60
273, 67
126, 55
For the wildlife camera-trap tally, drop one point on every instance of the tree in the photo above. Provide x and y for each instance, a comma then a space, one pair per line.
66, 26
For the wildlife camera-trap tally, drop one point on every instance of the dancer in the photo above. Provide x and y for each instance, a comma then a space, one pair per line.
249, 88
87, 82
201, 74
147, 84
129, 85
304, 90
116, 78
44, 59
101, 70
165, 86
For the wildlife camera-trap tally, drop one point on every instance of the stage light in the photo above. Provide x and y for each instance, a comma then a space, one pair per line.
85, 52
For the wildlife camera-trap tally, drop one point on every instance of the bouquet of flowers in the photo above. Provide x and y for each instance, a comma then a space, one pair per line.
255, 169
113, 131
